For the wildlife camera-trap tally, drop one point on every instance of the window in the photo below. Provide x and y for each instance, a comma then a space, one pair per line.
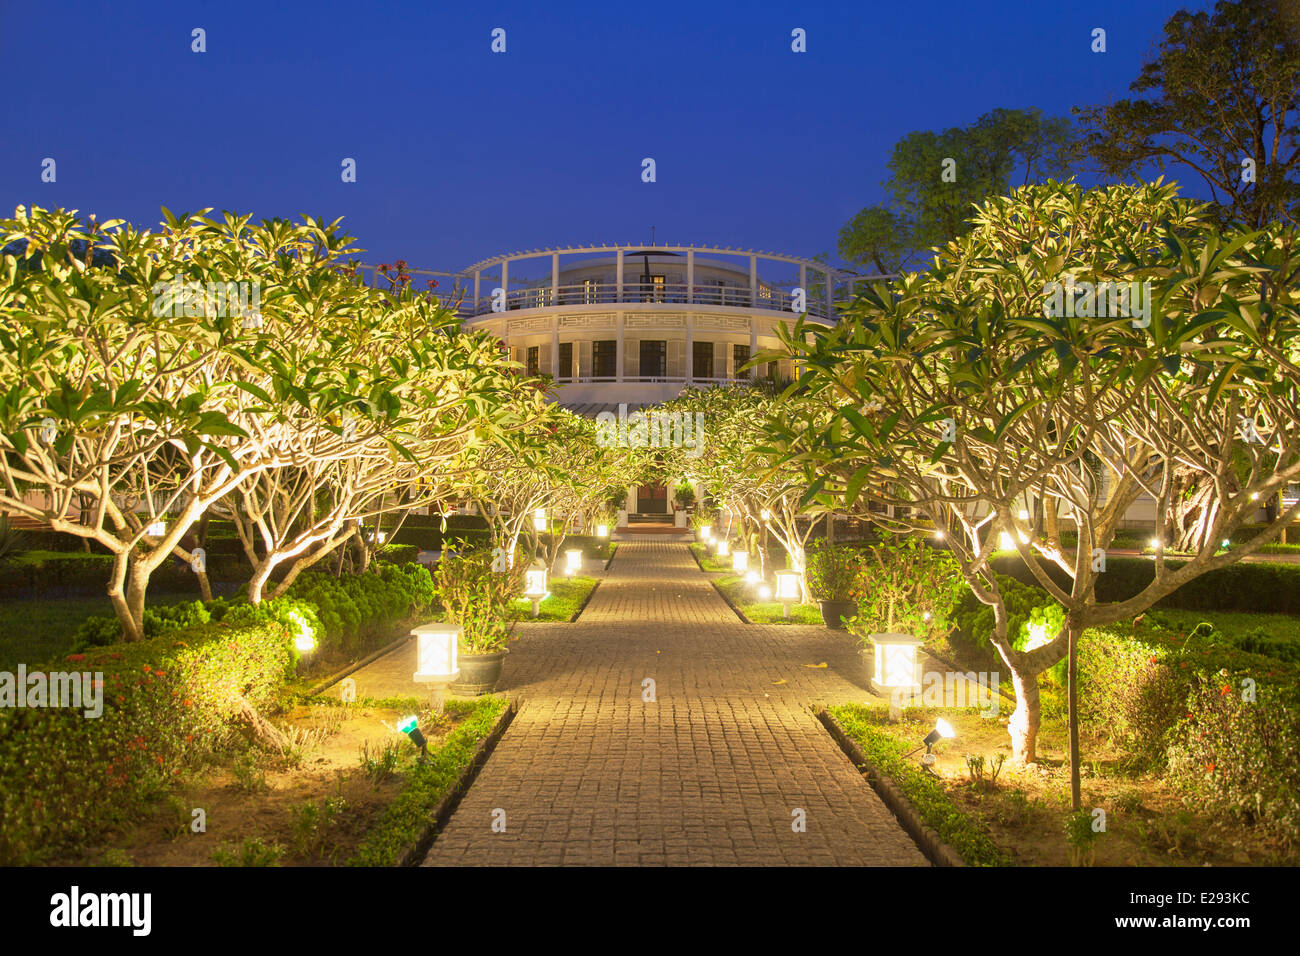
702, 363
604, 358
739, 356
566, 360
588, 291
534, 360
652, 288
654, 359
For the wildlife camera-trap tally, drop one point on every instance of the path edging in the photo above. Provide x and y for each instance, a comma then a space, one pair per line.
441, 813
352, 668
931, 844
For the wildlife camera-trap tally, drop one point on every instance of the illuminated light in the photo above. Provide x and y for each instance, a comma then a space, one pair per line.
787, 585
602, 531
751, 577
765, 593
303, 637
1038, 636
925, 616
535, 582
410, 726
942, 731
381, 536
1226, 542
724, 549
157, 529
573, 561
1023, 515
539, 519
740, 561
766, 515
895, 663
435, 657
706, 532
1254, 496
1157, 543
938, 535
1005, 543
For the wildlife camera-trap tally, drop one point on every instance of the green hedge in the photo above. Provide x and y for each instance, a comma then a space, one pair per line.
1261, 587
167, 703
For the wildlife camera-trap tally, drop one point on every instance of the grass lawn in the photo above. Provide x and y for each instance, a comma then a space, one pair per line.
1019, 818
566, 597
744, 595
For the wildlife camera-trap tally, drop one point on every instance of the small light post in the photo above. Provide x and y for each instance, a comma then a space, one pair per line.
435, 657
740, 561
573, 561
895, 665
723, 548
787, 589
706, 532
602, 531
535, 586
539, 520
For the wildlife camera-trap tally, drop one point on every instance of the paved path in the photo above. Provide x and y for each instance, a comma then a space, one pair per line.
711, 772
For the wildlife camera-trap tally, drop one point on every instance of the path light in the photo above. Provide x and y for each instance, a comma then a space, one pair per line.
938, 534
942, 731
303, 638
539, 519
787, 589
602, 531
535, 586
573, 561
1157, 543
1005, 543
410, 725
435, 657
724, 549
751, 577
740, 561
896, 667
765, 593
706, 532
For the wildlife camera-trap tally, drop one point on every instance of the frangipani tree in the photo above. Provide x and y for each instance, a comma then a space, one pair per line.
975, 400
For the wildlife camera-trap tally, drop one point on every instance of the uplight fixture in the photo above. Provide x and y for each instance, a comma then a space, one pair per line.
942, 731
410, 725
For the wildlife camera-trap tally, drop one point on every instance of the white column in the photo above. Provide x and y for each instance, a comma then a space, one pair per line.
555, 349
618, 352
478, 276
690, 349
555, 279
690, 276
505, 285
753, 282
803, 283
753, 338
830, 295
618, 291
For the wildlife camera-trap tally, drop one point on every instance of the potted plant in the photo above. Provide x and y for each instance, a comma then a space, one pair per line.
910, 588
836, 579
684, 497
476, 586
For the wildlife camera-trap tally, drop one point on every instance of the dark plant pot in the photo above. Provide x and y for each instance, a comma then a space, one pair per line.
479, 673
832, 611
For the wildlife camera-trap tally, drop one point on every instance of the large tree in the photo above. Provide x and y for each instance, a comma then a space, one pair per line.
968, 402
927, 208
1220, 101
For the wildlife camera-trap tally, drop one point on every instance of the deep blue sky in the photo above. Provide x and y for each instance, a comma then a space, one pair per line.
462, 153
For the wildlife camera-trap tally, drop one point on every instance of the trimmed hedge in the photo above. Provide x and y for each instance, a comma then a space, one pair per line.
167, 703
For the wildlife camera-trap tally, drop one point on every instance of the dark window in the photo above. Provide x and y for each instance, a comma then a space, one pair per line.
739, 356
702, 366
654, 359
604, 358
534, 360
566, 360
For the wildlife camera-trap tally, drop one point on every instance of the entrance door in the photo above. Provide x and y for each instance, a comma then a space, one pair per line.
652, 499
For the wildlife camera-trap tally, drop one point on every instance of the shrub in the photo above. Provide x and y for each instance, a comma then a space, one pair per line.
911, 588
837, 573
400, 553
476, 594
167, 703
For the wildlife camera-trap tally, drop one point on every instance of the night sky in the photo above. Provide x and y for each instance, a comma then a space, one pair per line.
462, 153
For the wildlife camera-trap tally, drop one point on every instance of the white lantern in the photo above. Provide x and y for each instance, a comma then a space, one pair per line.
765, 593
1005, 543
602, 531
573, 561
706, 532
539, 519
535, 582
740, 561
436, 652
724, 549
896, 663
787, 585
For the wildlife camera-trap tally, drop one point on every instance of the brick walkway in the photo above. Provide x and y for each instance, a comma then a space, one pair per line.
711, 772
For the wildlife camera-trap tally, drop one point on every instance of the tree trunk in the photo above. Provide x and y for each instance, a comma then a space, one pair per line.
1025, 719
132, 624
205, 585
263, 730
1073, 671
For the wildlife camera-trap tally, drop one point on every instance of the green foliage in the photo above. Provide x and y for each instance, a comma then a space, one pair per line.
924, 790
1032, 616
476, 592
684, 495
252, 852
1080, 837
405, 821
169, 703
911, 588
836, 573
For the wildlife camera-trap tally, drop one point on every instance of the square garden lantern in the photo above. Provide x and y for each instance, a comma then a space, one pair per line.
539, 519
435, 658
535, 586
724, 549
705, 532
602, 531
787, 588
896, 665
573, 561
740, 561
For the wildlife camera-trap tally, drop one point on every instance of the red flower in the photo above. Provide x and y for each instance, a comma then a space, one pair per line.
187, 702
148, 669
1209, 768
1226, 691
76, 657
1153, 659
